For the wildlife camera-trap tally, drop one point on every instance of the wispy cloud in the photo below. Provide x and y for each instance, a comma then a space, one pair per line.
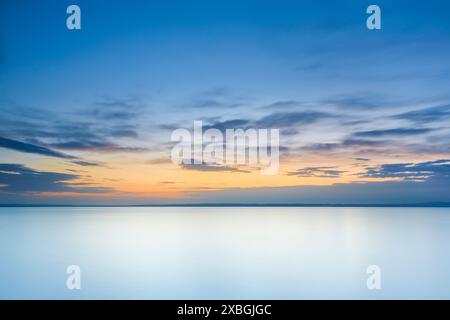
398, 132
439, 169
116, 109
214, 98
211, 168
43, 151
86, 163
282, 120
427, 115
95, 146
17, 178
289, 119
211, 103
360, 101
97, 128
31, 148
229, 124
317, 172
281, 104
345, 144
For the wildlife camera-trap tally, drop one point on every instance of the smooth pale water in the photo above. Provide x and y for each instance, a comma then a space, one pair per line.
225, 252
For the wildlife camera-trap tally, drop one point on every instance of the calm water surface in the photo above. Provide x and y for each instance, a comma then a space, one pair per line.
225, 253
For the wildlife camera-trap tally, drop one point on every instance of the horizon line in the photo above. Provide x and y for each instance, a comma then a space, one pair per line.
423, 205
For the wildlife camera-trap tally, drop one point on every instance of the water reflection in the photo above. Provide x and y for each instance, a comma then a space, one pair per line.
225, 253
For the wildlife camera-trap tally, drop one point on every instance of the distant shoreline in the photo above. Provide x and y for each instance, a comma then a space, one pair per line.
420, 205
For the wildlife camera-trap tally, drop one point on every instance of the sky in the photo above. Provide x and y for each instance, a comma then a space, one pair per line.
87, 115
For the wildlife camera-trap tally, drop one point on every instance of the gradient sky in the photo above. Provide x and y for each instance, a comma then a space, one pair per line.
86, 115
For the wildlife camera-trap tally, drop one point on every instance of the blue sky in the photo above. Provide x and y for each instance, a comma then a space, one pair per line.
104, 98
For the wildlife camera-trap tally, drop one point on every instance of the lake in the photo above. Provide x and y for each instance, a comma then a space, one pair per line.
224, 252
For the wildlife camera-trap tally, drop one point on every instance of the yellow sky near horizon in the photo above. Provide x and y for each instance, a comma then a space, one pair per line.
134, 176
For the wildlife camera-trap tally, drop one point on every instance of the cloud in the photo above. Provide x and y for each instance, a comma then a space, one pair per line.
31, 148
211, 168
288, 119
287, 122
228, 124
284, 104
284, 120
361, 101
363, 143
317, 172
218, 91
427, 115
439, 169
399, 132
95, 146
18, 178
169, 127
346, 143
116, 109
94, 128
214, 98
81, 144
289, 132
123, 132
86, 163
44, 151
211, 103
